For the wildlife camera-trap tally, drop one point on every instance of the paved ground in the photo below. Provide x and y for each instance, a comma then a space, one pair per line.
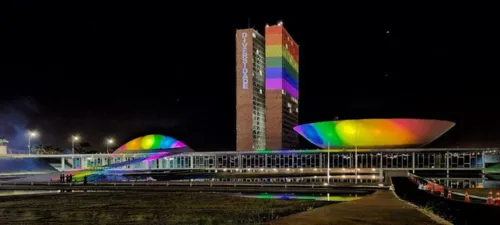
380, 208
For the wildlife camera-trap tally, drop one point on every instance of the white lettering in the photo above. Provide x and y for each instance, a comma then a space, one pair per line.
244, 60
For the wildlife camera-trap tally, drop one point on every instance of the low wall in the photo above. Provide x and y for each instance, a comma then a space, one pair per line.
456, 211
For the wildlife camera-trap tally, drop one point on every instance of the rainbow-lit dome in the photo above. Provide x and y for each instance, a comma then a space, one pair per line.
374, 133
152, 142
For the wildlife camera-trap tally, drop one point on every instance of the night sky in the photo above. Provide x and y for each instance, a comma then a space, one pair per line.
124, 70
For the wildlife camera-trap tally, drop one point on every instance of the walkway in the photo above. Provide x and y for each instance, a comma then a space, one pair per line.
380, 208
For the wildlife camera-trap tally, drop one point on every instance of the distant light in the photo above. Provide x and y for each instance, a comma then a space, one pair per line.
280, 23
325, 184
110, 141
33, 133
267, 25
75, 138
387, 32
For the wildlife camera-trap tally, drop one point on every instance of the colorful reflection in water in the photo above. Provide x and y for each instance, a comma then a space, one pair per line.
326, 197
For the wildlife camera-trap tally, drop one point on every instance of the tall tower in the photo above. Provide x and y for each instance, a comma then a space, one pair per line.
282, 85
250, 91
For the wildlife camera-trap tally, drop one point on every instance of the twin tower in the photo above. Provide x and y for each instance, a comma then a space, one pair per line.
267, 89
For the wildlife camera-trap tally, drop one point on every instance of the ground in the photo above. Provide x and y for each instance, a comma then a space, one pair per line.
380, 208
146, 208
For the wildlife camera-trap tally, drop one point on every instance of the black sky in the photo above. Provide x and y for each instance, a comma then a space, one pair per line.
129, 69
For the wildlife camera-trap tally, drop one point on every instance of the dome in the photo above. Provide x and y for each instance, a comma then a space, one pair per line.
374, 133
152, 142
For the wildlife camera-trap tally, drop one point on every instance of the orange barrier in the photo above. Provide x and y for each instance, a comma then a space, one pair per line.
490, 198
439, 189
496, 201
466, 197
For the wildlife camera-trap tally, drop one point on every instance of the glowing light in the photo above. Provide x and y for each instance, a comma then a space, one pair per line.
282, 70
304, 197
79, 175
373, 133
150, 142
33, 134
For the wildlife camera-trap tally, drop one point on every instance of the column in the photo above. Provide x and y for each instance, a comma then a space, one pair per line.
413, 161
483, 160
191, 159
240, 163
447, 157
320, 160
381, 170
62, 163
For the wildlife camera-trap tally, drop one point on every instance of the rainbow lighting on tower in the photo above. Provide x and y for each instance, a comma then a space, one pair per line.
282, 61
282, 88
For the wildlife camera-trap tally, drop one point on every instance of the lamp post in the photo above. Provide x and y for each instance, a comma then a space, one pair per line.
73, 139
31, 134
356, 154
108, 142
328, 164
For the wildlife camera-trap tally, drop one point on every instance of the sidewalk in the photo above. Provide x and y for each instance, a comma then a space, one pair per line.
382, 207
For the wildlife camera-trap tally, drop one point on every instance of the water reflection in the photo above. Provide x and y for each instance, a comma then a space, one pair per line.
325, 197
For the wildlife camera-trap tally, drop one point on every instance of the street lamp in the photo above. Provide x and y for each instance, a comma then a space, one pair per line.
108, 142
32, 134
73, 139
356, 153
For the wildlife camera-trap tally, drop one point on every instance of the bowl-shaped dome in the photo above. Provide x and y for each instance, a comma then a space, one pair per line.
374, 133
151, 142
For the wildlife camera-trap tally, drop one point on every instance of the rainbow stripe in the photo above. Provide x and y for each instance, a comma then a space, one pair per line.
302, 197
152, 141
282, 57
99, 170
373, 133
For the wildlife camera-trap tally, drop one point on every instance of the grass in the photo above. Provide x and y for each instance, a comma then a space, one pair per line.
146, 208
380, 208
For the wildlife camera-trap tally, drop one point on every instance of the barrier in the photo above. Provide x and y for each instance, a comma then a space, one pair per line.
490, 198
466, 197
496, 201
